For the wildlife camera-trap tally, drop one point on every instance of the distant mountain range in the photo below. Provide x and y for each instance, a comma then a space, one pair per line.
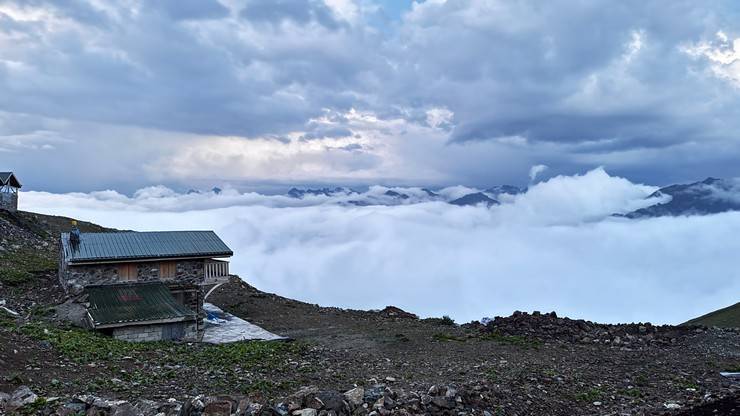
379, 195
300, 193
710, 196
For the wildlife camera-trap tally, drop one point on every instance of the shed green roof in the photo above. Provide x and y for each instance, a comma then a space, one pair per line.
131, 245
135, 304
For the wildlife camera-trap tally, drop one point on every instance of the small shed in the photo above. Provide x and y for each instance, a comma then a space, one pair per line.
140, 312
9, 186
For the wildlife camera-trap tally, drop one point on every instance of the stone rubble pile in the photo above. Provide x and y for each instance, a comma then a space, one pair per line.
377, 400
549, 326
14, 236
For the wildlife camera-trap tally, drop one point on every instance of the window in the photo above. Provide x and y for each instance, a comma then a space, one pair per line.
167, 270
128, 272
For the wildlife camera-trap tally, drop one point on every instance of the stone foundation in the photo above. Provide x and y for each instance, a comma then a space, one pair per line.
9, 201
177, 331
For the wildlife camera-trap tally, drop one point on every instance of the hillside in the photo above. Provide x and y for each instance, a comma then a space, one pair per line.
347, 361
28, 243
728, 317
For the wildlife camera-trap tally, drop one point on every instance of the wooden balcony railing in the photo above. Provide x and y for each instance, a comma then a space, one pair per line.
216, 271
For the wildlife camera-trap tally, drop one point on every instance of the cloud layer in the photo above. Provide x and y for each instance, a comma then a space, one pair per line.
554, 248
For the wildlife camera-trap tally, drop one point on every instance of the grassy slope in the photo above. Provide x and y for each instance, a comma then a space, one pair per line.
728, 317
29, 243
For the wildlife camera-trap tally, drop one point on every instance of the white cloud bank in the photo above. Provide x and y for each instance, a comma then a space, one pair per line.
554, 248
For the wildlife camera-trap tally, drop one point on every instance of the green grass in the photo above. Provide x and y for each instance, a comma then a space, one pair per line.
268, 387
634, 392
591, 395
85, 346
517, 340
641, 380
11, 277
231, 366
32, 408
728, 317
733, 368
491, 375
18, 267
444, 337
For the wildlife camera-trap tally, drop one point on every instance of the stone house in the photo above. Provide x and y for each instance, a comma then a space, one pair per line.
9, 186
144, 286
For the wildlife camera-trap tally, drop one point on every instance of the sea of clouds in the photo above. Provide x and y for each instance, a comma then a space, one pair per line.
555, 247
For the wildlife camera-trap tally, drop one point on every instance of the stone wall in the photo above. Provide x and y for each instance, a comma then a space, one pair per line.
158, 332
192, 298
75, 278
9, 201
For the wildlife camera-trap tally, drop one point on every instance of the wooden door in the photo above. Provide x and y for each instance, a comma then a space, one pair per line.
167, 270
128, 272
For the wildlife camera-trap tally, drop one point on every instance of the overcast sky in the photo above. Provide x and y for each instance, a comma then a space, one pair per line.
102, 94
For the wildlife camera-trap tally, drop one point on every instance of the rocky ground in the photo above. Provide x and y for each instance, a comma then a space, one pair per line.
350, 362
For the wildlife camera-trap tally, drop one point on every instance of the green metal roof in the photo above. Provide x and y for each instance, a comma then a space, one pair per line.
135, 304
130, 245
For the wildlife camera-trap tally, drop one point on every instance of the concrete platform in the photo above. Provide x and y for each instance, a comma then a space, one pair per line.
222, 328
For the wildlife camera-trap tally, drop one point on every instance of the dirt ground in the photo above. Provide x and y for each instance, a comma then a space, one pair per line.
344, 348
361, 345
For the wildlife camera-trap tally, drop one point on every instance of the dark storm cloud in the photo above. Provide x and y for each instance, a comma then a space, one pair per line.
524, 69
298, 11
150, 70
580, 84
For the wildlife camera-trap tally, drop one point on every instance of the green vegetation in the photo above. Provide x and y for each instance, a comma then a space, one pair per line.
550, 372
239, 365
685, 383
444, 337
641, 380
18, 267
32, 408
517, 340
18, 261
728, 317
592, 395
86, 346
445, 320
633, 392
12, 277
268, 387
491, 375
14, 378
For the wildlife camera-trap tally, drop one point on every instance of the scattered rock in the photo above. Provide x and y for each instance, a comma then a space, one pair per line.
305, 412
218, 408
355, 396
21, 396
